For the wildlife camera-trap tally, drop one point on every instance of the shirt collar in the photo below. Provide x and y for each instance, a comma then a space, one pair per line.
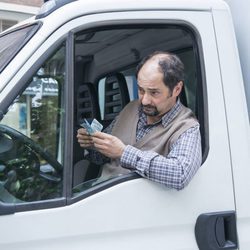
170, 115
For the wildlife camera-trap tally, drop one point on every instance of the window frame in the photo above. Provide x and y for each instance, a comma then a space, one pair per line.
67, 198
202, 109
6, 208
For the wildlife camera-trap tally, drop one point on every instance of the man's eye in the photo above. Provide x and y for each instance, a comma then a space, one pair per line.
154, 93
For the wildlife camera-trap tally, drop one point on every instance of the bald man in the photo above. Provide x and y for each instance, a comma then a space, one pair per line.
155, 136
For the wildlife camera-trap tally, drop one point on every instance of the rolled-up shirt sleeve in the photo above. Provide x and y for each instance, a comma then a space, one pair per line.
174, 170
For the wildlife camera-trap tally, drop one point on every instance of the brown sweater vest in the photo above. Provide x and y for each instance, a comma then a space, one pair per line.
158, 140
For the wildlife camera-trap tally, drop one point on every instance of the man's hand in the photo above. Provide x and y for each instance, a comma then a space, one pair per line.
108, 145
84, 139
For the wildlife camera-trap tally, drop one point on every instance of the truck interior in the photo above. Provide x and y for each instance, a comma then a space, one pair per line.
105, 65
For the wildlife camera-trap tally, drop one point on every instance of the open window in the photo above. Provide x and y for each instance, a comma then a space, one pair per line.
105, 63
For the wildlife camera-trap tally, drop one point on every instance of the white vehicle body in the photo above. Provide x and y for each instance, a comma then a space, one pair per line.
136, 213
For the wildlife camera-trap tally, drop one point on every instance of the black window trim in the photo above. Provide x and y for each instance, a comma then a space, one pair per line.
69, 117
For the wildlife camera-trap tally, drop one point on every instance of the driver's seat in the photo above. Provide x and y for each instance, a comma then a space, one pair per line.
116, 96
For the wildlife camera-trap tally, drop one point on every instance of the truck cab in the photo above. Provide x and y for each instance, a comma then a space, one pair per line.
77, 60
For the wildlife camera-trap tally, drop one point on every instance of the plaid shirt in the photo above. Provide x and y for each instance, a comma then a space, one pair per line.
174, 170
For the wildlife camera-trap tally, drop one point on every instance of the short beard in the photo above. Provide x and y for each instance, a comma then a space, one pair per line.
153, 112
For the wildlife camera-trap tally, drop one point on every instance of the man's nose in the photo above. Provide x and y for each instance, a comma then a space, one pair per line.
146, 99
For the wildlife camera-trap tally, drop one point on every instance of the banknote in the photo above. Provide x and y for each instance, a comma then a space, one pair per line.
93, 127
96, 126
87, 126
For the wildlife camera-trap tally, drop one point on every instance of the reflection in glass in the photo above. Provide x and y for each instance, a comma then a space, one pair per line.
31, 137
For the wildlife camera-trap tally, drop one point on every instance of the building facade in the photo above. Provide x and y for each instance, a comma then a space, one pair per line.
14, 11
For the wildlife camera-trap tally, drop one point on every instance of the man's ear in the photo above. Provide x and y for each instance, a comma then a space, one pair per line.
177, 89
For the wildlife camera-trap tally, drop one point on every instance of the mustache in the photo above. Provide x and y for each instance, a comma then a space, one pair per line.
150, 110
148, 106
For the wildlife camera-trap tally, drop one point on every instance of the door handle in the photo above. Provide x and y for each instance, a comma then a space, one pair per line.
216, 231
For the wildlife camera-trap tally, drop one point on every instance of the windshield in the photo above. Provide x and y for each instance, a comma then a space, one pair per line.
12, 42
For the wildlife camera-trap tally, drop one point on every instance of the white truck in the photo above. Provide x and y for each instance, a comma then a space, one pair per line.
77, 59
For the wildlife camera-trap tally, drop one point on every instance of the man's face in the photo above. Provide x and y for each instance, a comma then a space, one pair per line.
155, 97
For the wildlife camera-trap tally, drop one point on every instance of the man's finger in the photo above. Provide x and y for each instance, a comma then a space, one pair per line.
82, 140
83, 134
99, 141
101, 148
101, 135
82, 131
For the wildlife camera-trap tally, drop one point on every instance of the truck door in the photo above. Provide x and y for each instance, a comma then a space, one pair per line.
51, 193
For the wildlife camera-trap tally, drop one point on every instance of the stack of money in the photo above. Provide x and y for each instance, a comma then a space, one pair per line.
93, 127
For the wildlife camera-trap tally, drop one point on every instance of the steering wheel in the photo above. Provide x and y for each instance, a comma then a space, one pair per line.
18, 136
26, 180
